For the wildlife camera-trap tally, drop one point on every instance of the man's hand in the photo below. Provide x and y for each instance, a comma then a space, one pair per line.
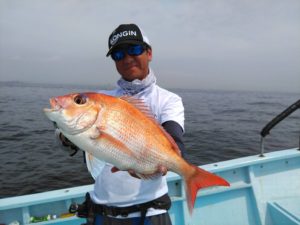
161, 171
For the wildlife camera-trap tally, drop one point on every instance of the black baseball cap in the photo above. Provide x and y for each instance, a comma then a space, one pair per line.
126, 34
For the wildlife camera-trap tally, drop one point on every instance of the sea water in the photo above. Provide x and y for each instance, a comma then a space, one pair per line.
219, 125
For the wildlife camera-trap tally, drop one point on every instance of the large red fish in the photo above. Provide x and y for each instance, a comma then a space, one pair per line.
121, 131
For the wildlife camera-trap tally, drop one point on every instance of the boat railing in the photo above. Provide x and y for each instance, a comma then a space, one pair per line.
266, 130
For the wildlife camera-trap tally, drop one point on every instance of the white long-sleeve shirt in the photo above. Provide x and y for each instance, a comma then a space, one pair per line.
121, 189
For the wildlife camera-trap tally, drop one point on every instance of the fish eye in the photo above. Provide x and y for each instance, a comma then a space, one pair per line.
80, 99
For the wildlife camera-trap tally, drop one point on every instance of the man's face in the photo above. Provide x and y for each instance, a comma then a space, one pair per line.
134, 67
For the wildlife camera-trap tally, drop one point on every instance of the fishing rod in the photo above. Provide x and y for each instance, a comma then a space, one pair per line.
266, 130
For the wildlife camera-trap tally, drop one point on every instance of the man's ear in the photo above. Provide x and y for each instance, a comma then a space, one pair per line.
149, 53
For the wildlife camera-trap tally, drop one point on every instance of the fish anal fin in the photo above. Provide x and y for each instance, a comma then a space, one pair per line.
149, 176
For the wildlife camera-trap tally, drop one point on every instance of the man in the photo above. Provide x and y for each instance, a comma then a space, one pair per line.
120, 197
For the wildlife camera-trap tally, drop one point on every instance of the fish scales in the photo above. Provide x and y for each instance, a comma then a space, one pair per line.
138, 142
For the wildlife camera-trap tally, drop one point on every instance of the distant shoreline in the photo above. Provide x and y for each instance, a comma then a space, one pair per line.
54, 85
111, 86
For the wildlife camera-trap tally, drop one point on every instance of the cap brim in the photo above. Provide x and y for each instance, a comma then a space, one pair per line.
121, 43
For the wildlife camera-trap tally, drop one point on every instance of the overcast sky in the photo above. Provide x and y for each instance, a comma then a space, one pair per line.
204, 44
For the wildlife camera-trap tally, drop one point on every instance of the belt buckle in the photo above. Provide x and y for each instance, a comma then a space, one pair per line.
124, 214
109, 211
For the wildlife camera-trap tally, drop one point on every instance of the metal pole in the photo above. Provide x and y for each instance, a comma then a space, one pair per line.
299, 143
266, 130
262, 146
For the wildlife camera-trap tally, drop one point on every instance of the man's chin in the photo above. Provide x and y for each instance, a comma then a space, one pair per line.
132, 75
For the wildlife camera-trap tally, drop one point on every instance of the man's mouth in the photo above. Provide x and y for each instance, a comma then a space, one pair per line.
130, 66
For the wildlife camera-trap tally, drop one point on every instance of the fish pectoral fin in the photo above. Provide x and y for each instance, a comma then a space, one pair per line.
96, 132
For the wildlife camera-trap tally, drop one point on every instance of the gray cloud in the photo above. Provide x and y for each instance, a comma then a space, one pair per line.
245, 45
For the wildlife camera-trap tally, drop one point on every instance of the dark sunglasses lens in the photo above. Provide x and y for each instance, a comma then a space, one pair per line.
135, 50
117, 55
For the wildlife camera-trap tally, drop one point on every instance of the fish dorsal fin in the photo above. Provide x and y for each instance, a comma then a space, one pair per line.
141, 105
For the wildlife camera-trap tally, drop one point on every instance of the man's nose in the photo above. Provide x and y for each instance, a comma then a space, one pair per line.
128, 58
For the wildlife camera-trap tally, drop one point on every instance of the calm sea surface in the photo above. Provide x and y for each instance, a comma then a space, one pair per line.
219, 125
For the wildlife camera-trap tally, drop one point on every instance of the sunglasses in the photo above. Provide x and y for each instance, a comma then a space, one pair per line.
132, 50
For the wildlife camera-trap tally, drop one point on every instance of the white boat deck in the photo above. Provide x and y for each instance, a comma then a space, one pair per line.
263, 191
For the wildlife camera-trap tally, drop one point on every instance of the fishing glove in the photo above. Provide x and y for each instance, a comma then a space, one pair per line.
64, 143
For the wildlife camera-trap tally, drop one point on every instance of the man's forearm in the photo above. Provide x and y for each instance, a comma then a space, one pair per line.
176, 132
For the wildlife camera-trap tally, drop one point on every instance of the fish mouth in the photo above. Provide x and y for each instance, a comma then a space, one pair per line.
55, 106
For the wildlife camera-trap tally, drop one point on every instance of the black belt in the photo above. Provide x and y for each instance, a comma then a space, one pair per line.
89, 209
163, 202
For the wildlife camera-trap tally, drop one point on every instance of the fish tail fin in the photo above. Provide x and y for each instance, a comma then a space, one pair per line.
197, 178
